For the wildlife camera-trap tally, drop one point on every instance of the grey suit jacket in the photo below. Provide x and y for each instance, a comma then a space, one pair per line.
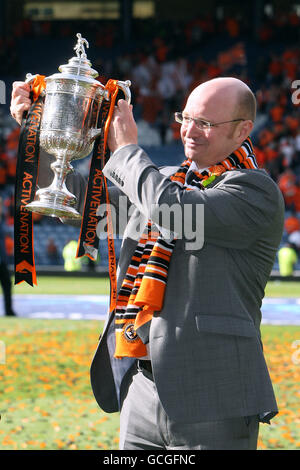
205, 344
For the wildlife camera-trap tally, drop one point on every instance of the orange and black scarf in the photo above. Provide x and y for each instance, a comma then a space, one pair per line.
143, 288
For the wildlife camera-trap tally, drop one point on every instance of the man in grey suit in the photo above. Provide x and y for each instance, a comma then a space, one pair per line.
203, 382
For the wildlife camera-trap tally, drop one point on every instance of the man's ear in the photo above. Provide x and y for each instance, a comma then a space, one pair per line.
243, 130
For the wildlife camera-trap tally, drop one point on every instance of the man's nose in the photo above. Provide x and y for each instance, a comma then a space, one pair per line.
191, 129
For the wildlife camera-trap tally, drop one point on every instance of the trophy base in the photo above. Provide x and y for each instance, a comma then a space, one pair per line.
53, 211
54, 203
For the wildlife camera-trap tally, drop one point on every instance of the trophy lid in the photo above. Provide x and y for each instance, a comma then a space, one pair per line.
78, 67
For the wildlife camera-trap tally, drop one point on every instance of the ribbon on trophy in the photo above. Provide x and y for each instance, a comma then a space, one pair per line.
97, 194
26, 176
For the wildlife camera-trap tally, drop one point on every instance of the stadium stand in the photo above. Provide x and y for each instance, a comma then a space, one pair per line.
166, 63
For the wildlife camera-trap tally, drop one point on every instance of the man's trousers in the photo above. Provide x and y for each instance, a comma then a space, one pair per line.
144, 425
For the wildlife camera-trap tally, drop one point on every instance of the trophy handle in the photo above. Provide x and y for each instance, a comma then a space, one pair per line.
124, 86
126, 90
29, 78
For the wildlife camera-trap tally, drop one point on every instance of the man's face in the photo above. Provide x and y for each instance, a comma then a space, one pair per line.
208, 146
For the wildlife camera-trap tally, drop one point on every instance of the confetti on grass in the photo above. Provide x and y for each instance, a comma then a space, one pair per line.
47, 402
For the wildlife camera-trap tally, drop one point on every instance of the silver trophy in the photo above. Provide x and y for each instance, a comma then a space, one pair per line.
69, 127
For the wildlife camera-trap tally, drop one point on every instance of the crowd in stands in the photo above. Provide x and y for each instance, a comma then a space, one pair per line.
168, 63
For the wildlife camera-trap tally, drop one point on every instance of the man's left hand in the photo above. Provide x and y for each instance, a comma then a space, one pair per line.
123, 128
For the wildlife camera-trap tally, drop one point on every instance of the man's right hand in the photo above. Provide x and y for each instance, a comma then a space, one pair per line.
20, 100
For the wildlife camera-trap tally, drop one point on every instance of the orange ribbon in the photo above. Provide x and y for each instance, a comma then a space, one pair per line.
113, 88
37, 86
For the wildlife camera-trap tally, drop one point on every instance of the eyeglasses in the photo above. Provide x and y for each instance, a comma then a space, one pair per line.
200, 123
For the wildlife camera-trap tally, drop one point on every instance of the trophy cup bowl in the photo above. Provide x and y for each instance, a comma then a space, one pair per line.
69, 127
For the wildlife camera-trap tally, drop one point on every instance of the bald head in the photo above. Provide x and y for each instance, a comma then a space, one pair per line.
230, 96
229, 105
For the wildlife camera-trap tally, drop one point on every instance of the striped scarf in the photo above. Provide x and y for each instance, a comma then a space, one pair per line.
143, 288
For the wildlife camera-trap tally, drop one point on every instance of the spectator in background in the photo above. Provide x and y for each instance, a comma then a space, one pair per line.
287, 150
288, 255
9, 203
69, 254
3, 170
4, 273
52, 251
297, 145
9, 248
287, 185
292, 223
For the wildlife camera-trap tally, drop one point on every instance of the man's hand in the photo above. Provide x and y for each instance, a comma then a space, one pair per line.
20, 100
122, 129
